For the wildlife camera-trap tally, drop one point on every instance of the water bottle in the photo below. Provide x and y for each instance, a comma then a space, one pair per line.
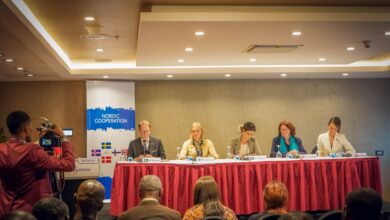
177, 153
278, 154
228, 153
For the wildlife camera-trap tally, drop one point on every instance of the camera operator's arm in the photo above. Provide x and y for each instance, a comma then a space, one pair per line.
45, 161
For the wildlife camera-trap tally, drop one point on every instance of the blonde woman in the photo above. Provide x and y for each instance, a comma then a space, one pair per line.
197, 145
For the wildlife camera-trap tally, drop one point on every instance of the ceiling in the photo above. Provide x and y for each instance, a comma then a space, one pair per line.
146, 38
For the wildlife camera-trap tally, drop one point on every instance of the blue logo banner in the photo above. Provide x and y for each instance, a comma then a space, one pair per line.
114, 118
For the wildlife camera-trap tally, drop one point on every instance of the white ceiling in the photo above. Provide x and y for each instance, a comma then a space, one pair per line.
164, 32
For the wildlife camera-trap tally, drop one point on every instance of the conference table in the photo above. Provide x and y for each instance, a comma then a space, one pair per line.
313, 184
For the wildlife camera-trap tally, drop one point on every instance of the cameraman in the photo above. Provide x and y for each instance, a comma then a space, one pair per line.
24, 166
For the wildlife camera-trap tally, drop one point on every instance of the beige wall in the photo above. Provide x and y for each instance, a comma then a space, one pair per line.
220, 106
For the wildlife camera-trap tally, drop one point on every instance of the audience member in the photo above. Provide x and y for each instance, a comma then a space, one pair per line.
51, 209
18, 215
362, 204
24, 166
207, 201
246, 144
89, 200
198, 145
296, 216
150, 192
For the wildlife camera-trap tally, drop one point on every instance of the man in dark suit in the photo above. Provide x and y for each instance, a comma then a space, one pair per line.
145, 145
150, 192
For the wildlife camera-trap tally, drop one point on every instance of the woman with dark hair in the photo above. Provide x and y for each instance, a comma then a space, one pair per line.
332, 141
246, 144
207, 201
286, 142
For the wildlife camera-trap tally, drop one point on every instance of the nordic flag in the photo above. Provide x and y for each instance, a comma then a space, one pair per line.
96, 153
106, 159
106, 145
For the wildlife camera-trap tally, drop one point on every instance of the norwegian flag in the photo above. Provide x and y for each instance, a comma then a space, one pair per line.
106, 159
124, 152
96, 153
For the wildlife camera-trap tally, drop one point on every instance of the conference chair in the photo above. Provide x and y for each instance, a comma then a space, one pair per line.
213, 218
332, 215
269, 217
314, 151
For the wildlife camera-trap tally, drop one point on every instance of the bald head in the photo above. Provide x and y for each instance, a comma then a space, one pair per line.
90, 196
150, 186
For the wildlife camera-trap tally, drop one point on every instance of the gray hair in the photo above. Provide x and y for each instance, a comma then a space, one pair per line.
150, 183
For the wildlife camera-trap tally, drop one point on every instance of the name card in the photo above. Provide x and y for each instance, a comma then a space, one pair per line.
308, 156
360, 154
205, 159
86, 168
151, 159
255, 157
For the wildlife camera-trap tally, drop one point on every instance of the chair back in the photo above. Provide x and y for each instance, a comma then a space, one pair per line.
213, 218
314, 151
269, 217
332, 215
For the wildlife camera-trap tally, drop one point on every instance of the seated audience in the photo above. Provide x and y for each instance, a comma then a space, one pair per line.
207, 201
286, 142
198, 145
332, 141
18, 215
89, 200
150, 192
296, 216
246, 144
362, 204
51, 209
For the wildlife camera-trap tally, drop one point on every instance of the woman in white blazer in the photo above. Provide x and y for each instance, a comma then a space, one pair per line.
332, 141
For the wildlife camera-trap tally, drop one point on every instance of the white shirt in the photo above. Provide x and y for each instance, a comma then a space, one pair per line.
244, 149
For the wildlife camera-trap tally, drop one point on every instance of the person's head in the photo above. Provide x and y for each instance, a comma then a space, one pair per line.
150, 187
363, 203
247, 130
286, 129
296, 216
51, 209
275, 195
144, 129
18, 215
334, 125
206, 192
89, 197
18, 123
196, 131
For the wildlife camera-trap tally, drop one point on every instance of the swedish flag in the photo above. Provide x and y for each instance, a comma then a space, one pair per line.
106, 145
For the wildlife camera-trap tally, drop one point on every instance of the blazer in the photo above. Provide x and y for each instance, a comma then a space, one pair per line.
150, 209
253, 147
188, 149
156, 148
340, 144
276, 142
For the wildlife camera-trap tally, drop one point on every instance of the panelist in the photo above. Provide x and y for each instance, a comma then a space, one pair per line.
286, 141
246, 144
332, 141
198, 145
145, 145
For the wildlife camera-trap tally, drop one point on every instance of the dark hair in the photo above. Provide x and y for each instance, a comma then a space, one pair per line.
18, 215
289, 125
296, 216
248, 126
16, 120
206, 192
50, 209
336, 121
275, 195
363, 203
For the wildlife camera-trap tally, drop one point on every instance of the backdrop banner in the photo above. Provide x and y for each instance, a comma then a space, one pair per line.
110, 124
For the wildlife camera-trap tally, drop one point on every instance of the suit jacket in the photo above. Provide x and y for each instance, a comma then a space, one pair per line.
24, 173
189, 149
340, 144
276, 142
156, 148
253, 147
150, 209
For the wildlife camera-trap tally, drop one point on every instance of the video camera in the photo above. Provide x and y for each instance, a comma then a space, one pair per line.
49, 141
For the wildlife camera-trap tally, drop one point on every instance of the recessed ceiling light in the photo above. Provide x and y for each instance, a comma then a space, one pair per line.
30, 75
387, 33
20, 68
180, 60
189, 49
89, 18
345, 74
350, 48
252, 60
283, 75
228, 75
199, 33
99, 50
321, 59
169, 76
296, 33
105, 77
9, 60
